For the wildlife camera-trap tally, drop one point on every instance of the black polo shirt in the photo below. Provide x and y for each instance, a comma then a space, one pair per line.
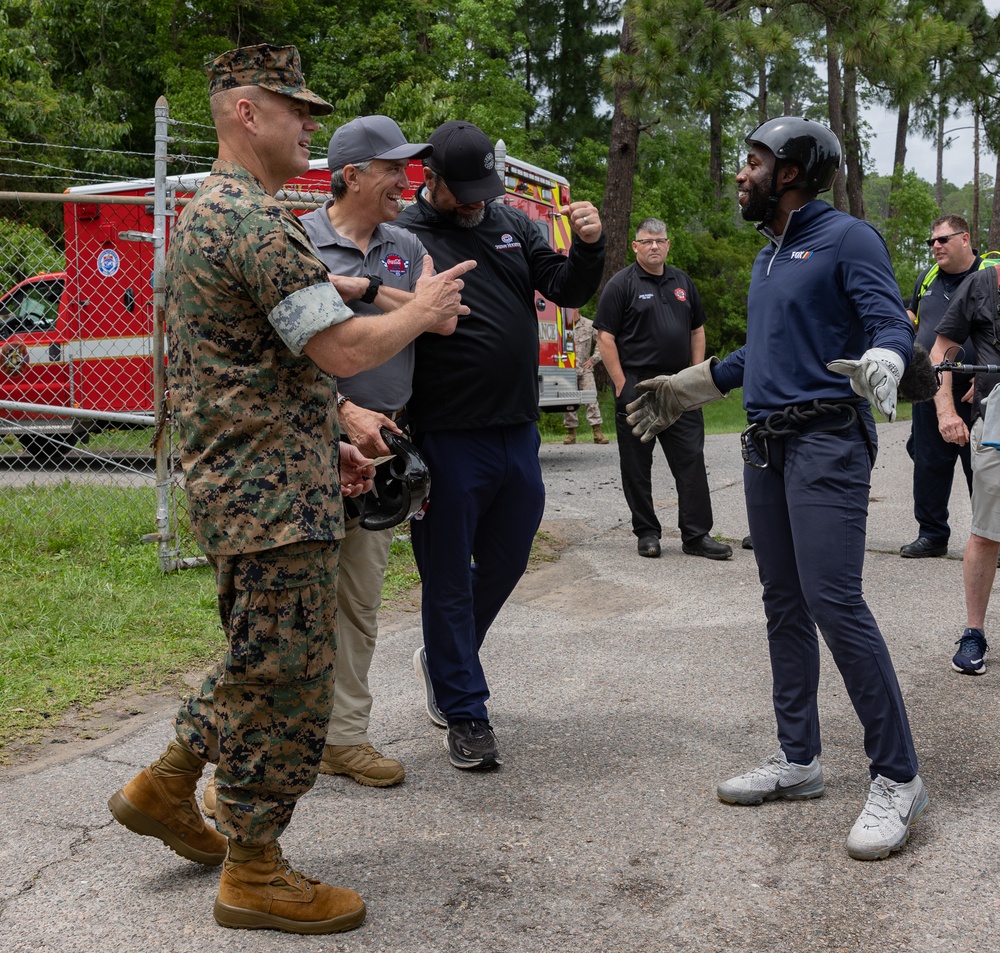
651, 318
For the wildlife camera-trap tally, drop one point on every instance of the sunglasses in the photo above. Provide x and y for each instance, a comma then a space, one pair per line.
942, 239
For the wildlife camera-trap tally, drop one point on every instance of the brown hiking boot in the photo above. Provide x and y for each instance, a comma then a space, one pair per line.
363, 763
599, 435
159, 802
265, 893
570, 436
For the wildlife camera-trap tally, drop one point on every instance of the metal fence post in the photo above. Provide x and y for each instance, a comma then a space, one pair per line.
167, 542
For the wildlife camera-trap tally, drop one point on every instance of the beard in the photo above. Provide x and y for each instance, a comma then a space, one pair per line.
463, 218
756, 204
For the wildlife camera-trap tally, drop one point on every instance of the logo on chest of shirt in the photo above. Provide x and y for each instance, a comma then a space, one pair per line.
507, 241
800, 255
646, 296
395, 265
680, 294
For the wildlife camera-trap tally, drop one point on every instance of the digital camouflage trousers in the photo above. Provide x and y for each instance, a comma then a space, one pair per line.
261, 715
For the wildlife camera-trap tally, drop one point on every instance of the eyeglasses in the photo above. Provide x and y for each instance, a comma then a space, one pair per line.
942, 239
646, 242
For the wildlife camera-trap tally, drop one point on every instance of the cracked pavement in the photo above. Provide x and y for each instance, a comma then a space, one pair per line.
623, 689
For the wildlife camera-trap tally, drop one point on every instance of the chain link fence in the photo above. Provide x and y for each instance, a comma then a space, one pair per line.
78, 388
84, 425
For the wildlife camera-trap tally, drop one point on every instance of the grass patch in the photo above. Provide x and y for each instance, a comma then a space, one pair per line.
85, 611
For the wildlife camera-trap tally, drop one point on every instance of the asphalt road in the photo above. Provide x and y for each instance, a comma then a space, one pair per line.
624, 689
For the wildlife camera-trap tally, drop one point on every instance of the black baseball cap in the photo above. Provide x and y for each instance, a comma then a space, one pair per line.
371, 137
463, 156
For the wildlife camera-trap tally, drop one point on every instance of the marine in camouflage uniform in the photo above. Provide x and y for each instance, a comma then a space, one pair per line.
260, 458
257, 334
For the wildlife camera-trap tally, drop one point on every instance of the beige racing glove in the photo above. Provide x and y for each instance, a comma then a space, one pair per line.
663, 399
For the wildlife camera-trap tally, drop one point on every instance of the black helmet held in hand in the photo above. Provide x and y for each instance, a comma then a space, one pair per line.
813, 147
401, 486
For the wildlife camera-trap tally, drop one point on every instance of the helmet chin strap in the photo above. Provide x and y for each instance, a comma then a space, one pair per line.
775, 196
772, 199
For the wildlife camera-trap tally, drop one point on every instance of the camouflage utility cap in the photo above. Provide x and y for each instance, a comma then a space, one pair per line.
277, 68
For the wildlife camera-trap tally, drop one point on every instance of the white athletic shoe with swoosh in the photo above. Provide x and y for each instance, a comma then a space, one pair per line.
884, 824
776, 778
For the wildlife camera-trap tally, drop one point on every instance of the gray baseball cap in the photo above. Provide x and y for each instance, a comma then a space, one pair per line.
372, 137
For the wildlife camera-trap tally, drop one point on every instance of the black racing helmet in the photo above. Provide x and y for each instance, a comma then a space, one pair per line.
400, 489
809, 144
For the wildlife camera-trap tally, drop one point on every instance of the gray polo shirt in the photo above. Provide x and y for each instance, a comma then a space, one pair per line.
395, 256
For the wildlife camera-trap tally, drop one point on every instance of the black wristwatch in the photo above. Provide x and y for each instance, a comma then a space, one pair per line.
374, 283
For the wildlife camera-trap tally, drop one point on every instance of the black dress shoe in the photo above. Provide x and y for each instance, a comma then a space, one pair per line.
922, 547
649, 546
747, 543
707, 547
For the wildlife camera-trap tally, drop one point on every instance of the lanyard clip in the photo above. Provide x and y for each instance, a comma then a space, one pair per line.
749, 439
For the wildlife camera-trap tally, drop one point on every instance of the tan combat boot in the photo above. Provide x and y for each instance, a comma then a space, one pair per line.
599, 435
209, 798
570, 435
363, 763
260, 891
159, 802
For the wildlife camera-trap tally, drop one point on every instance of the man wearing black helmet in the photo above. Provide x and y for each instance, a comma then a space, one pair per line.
822, 303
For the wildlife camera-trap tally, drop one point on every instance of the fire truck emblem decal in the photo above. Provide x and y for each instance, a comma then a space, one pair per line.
108, 262
13, 358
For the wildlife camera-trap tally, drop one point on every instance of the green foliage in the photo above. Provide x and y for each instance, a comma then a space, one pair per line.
904, 225
27, 252
423, 67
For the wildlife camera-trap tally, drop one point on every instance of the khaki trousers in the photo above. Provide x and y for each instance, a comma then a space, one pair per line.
364, 555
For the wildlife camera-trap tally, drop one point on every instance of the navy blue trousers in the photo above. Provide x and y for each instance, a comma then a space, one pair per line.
471, 548
808, 514
934, 469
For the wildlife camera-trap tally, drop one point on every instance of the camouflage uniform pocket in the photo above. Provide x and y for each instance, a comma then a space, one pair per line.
283, 622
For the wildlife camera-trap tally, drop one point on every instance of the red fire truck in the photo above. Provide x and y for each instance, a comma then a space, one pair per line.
82, 339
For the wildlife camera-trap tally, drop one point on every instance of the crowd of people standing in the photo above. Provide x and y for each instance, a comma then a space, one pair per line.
301, 348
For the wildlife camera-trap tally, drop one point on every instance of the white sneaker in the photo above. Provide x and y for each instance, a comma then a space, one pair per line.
775, 778
884, 823
424, 677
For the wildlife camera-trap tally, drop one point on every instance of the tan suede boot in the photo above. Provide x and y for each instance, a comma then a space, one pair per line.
364, 763
159, 802
259, 890
570, 436
209, 798
599, 435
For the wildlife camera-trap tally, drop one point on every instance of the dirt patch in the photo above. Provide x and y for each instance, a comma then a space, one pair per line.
84, 728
